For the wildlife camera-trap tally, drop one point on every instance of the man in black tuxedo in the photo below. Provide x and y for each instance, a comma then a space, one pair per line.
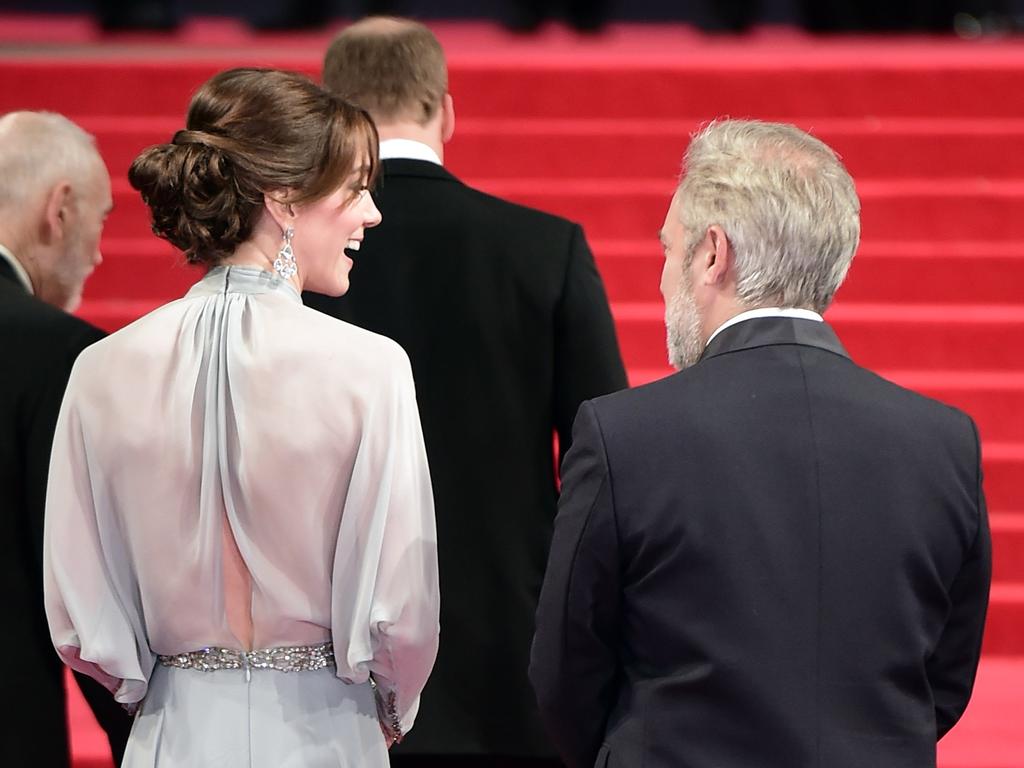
506, 322
54, 196
774, 557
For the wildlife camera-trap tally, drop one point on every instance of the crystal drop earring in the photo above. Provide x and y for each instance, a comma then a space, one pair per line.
285, 264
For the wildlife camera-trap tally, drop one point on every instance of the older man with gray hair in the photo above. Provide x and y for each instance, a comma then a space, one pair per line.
774, 557
54, 197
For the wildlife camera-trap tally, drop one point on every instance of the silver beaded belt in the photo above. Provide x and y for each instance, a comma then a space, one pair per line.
294, 658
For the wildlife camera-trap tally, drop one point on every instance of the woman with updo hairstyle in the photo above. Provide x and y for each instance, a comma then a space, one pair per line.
240, 532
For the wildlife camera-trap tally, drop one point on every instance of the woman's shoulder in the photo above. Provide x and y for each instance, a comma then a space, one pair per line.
329, 339
280, 335
116, 362
142, 333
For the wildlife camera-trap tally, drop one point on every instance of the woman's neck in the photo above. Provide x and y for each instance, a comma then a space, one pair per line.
254, 254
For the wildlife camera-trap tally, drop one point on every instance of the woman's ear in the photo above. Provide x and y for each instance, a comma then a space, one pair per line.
279, 209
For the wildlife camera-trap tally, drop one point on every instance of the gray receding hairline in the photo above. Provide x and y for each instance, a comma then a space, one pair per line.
38, 149
786, 203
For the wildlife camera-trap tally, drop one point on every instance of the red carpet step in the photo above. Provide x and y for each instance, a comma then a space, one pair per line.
990, 720
924, 336
666, 79
893, 209
870, 147
1003, 465
1008, 540
898, 271
880, 336
905, 210
925, 272
581, 148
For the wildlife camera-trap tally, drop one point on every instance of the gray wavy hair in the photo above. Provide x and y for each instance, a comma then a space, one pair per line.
786, 203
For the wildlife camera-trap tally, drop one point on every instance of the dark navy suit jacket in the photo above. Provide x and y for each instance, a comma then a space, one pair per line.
774, 558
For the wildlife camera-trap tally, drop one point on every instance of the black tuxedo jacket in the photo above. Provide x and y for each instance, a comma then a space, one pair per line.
774, 559
38, 344
505, 320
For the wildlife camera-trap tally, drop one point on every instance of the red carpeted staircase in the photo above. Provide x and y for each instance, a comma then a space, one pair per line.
594, 129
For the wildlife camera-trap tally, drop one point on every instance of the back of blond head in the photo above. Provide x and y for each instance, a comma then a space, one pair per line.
786, 203
38, 149
392, 68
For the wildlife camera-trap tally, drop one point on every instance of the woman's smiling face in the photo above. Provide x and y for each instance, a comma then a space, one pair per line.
325, 228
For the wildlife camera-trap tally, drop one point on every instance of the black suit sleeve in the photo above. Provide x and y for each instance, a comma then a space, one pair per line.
41, 414
574, 665
954, 662
587, 359
112, 717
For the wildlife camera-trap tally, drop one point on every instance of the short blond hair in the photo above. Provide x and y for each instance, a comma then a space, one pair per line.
393, 68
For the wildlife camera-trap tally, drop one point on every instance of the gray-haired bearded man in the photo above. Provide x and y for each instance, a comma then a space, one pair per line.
774, 557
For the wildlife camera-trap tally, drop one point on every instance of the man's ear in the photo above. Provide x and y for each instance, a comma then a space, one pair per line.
57, 212
718, 255
447, 118
279, 209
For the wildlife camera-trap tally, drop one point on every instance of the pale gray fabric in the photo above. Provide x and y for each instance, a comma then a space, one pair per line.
237, 405
276, 720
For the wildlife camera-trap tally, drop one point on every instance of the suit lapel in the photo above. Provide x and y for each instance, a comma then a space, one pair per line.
769, 331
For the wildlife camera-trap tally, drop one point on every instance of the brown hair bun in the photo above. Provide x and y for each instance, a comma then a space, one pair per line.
249, 132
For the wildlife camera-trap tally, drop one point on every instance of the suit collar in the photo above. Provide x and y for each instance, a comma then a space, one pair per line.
400, 166
408, 149
12, 270
7, 272
770, 331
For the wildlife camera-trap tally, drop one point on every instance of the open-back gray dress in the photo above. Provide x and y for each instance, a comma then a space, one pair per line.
237, 412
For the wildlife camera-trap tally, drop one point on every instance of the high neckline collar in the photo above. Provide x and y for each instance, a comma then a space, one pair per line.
243, 279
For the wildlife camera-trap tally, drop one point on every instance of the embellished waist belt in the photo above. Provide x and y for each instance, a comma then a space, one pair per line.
295, 658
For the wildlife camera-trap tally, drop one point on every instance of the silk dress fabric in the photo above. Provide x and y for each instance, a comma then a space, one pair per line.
237, 406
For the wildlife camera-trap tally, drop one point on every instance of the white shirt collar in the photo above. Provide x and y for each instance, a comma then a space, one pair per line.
19, 270
751, 314
407, 149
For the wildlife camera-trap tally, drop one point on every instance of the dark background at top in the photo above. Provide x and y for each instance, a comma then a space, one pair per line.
908, 15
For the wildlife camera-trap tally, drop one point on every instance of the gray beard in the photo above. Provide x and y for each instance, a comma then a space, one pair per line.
682, 322
69, 273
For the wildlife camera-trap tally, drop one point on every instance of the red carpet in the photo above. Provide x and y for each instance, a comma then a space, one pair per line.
594, 129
